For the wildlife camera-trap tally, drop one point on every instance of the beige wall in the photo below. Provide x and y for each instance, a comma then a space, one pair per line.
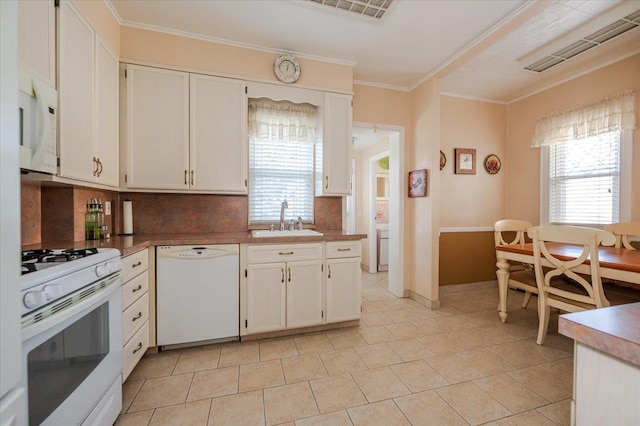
523, 162
103, 21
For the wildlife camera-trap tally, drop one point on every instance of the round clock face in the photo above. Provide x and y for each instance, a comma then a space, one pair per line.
287, 69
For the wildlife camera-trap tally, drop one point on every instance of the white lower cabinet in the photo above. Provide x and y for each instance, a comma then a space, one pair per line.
288, 286
135, 309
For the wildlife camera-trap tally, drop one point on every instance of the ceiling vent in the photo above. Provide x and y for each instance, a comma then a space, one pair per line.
590, 41
368, 8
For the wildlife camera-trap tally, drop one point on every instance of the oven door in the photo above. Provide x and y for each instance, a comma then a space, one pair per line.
73, 356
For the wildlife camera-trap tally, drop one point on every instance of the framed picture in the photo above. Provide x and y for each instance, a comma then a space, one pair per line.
465, 161
418, 183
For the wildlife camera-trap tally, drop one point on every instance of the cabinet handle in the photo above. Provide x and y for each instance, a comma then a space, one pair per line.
137, 317
344, 249
96, 166
185, 177
191, 177
139, 263
99, 172
326, 185
138, 348
285, 253
329, 268
282, 270
289, 273
137, 288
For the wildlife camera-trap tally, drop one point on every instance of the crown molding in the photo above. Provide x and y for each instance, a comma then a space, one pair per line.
473, 98
381, 85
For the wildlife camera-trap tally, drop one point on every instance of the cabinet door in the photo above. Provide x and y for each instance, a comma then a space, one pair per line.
76, 56
336, 149
106, 115
218, 141
37, 39
343, 289
157, 136
304, 293
266, 297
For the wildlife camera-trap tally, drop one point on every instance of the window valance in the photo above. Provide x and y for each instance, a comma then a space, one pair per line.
284, 121
605, 115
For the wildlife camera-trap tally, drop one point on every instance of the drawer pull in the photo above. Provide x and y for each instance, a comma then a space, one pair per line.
137, 288
344, 249
138, 348
139, 263
285, 253
137, 317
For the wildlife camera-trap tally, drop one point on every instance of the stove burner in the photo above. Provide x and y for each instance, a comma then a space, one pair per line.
28, 267
28, 255
32, 258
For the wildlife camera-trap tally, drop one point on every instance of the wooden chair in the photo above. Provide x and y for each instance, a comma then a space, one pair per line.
623, 231
559, 284
521, 276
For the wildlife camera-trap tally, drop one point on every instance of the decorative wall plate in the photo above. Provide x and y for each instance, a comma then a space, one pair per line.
492, 164
443, 160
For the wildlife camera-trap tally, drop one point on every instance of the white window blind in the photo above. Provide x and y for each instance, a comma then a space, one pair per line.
584, 180
282, 137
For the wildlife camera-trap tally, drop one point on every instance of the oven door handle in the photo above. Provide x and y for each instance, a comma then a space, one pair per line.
104, 289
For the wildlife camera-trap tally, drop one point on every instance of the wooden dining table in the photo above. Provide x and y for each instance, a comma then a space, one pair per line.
618, 264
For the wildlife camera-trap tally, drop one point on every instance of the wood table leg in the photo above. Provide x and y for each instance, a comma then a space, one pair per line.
503, 280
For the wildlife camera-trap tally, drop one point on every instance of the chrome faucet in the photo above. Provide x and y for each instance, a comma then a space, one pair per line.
282, 207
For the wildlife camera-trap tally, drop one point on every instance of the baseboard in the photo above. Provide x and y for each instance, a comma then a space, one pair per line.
431, 304
299, 331
454, 288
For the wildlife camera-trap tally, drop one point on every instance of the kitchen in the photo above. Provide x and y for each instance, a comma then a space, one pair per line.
423, 112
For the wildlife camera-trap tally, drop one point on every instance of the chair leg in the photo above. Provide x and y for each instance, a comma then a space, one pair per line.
527, 296
543, 319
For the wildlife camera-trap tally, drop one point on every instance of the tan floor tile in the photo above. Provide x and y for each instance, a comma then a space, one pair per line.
516, 354
528, 418
345, 338
377, 306
245, 409
289, 402
377, 334
336, 393
155, 365
239, 353
559, 413
371, 319
473, 404
486, 362
431, 326
495, 334
313, 343
261, 375
379, 384
277, 348
510, 393
410, 349
427, 408
130, 389
454, 368
562, 368
303, 368
198, 359
161, 392
339, 418
455, 322
189, 414
378, 355
418, 376
404, 330
382, 413
401, 303
343, 361
213, 383
139, 418
407, 315
547, 385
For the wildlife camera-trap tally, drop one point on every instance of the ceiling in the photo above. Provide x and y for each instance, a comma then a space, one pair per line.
478, 48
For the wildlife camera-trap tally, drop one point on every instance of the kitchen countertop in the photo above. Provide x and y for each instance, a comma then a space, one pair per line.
614, 330
129, 244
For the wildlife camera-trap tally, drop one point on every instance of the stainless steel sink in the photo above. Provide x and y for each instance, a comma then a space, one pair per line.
265, 233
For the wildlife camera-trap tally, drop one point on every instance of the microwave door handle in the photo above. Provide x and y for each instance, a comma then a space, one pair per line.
41, 150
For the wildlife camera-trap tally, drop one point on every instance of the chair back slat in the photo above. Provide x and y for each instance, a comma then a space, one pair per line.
623, 231
510, 225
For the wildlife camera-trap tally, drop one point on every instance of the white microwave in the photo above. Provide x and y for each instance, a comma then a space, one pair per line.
37, 108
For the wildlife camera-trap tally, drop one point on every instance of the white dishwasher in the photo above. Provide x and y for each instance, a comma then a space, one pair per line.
198, 294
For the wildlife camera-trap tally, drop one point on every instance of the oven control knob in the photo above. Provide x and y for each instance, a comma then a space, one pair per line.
33, 299
102, 270
52, 292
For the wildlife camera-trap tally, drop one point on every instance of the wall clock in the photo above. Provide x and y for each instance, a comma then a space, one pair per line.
287, 69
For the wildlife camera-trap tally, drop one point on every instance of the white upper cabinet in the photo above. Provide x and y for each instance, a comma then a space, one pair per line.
37, 39
88, 98
157, 129
336, 146
218, 148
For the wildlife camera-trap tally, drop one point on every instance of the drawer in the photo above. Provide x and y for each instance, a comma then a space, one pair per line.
134, 289
134, 349
134, 316
283, 252
338, 249
135, 264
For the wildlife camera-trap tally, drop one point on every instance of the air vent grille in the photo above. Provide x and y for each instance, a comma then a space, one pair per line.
369, 8
594, 39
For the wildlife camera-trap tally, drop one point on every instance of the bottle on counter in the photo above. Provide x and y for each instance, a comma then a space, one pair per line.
91, 229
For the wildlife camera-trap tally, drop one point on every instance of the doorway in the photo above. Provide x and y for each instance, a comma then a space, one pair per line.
373, 142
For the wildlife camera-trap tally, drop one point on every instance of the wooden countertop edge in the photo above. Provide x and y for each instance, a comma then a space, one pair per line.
130, 244
614, 330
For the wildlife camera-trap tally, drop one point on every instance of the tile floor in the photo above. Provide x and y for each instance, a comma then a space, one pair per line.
404, 365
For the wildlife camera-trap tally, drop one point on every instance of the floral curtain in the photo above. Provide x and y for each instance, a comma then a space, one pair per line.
602, 116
